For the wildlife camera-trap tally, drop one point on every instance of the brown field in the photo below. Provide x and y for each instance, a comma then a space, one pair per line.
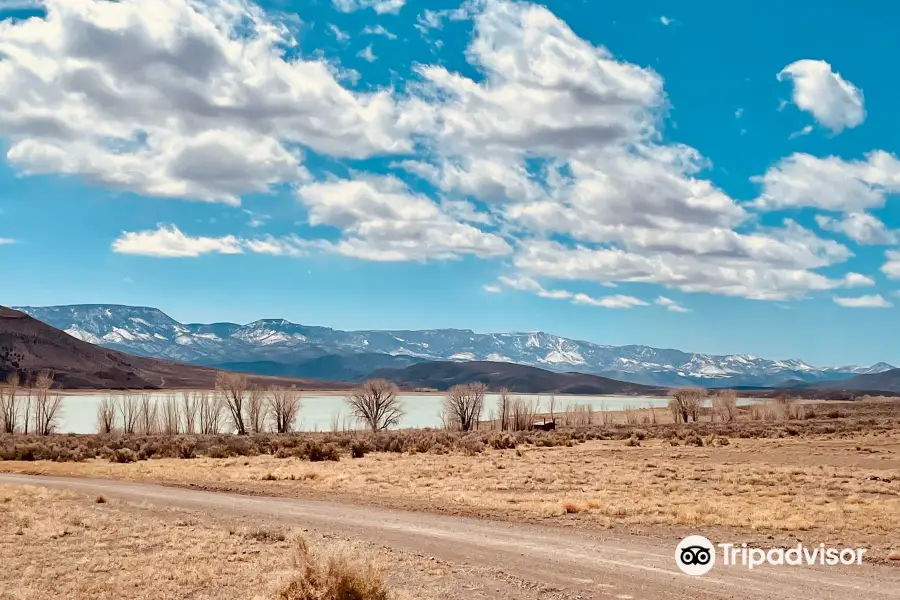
65, 545
832, 480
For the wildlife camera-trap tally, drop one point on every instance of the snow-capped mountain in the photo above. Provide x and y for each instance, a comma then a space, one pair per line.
150, 332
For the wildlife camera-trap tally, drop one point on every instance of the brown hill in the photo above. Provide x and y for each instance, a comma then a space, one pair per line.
523, 379
28, 346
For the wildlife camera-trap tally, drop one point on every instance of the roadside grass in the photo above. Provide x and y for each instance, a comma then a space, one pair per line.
60, 545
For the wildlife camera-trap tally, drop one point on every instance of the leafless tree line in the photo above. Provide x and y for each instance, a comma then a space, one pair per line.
30, 408
235, 407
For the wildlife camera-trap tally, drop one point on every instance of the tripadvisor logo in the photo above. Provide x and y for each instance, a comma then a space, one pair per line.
696, 555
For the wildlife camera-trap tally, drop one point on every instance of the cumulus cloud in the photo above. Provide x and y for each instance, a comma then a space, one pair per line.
367, 54
690, 273
670, 305
832, 100
553, 154
379, 6
891, 267
338, 33
531, 285
830, 183
801, 132
860, 227
381, 219
665, 20
378, 30
179, 98
168, 241
6, 241
870, 301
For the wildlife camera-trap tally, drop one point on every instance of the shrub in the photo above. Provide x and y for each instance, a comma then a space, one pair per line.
331, 578
123, 455
502, 442
693, 440
359, 448
317, 451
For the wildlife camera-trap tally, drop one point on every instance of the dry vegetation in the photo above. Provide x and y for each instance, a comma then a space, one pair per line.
827, 479
64, 545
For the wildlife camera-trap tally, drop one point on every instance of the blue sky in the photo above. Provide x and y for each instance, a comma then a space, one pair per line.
698, 175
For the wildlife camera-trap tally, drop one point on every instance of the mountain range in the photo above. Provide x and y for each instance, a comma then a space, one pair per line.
282, 348
28, 346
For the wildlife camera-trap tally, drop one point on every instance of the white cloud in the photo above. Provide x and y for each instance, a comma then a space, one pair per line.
670, 305
170, 242
528, 284
562, 139
832, 100
21, 4
339, 35
860, 227
665, 20
381, 219
870, 301
378, 30
367, 54
492, 289
782, 277
554, 139
379, 6
616, 301
179, 98
289, 246
829, 183
800, 133
891, 267
6, 241
739, 113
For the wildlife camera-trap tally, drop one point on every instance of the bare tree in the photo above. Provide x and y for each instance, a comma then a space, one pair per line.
25, 402
652, 410
189, 411
685, 403
464, 404
521, 414
233, 387
46, 405
724, 405
129, 408
503, 408
148, 414
552, 408
376, 404
209, 412
170, 421
106, 415
284, 404
47, 412
256, 409
9, 409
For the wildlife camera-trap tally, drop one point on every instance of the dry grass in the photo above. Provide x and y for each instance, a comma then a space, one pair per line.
63, 545
331, 577
827, 480
826, 489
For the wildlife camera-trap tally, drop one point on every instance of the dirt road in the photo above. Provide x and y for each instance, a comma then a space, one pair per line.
567, 564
